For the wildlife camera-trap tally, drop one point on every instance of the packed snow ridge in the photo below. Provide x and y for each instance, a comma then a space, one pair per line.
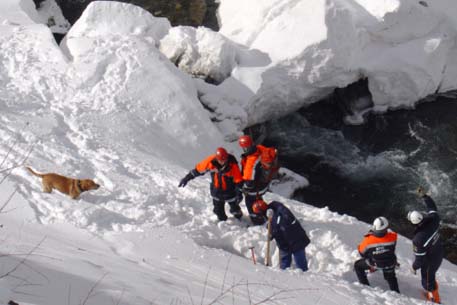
109, 104
406, 49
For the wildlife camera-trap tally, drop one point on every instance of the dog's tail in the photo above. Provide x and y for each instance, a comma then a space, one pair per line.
33, 172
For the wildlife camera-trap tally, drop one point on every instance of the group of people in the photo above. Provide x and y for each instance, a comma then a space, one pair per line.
377, 249
230, 184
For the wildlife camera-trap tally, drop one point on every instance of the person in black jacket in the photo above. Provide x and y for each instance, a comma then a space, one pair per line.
289, 235
427, 246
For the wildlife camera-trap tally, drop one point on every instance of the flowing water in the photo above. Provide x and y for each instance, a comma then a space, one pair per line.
374, 169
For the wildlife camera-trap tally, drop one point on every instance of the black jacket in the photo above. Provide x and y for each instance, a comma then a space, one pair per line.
286, 229
427, 246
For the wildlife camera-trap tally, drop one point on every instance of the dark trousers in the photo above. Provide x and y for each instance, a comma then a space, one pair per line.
361, 267
428, 275
249, 200
219, 209
285, 259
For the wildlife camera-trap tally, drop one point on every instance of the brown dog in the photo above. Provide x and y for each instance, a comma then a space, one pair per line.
69, 186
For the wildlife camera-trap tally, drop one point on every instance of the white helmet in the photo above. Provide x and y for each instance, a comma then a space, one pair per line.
380, 226
415, 217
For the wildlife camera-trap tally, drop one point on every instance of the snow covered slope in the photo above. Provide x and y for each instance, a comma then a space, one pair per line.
111, 107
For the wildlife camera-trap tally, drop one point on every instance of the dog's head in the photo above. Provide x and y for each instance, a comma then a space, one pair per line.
88, 184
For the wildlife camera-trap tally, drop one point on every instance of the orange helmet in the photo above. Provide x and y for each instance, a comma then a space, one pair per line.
245, 141
221, 154
259, 206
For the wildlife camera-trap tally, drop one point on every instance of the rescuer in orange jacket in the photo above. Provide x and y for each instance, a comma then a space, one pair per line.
257, 175
226, 182
378, 252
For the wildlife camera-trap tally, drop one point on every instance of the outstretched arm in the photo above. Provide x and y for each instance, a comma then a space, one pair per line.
191, 175
430, 205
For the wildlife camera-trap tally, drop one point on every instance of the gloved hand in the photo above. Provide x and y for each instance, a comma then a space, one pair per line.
270, 213
248, 186
421, 192
185, 180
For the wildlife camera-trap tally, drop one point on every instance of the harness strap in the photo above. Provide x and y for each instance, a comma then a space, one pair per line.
78, 186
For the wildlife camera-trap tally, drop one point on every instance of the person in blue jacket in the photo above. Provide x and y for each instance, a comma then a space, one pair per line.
287, 231
427, 246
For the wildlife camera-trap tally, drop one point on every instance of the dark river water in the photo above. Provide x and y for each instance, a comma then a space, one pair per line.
374, 169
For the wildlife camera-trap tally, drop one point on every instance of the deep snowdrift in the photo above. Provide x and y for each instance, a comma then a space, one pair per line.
113, 108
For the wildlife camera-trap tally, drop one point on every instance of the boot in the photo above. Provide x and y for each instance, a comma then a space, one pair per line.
436, 295
433, 296
238, 214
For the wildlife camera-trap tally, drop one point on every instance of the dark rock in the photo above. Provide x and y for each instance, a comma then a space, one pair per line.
37, 3
178, 12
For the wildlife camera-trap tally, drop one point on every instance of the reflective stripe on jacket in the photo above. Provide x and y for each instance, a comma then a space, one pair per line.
222, 177
286, 229
427, 245
379, 251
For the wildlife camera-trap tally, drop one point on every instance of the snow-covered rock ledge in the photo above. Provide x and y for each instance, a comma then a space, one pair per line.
406, 49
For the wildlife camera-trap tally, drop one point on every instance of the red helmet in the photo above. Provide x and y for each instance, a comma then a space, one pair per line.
221, 154
259, 206
245, 141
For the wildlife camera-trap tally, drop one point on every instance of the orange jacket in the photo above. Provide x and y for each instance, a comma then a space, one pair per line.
249, 164
256, 178
223, 177
380, 251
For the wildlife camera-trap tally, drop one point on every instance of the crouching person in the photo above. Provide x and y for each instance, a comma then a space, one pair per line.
378, 253
286, 230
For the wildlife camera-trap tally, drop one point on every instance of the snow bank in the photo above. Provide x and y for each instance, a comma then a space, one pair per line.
404, 48
119, 112
108, 18
52, 15
18, 12
201, 52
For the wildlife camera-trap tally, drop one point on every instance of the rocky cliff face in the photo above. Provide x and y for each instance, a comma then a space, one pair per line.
178, 12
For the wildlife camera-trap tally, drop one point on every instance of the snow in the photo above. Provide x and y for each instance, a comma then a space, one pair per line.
52, 15
109, 105
106, 18
403, 48
200, 51
19, 12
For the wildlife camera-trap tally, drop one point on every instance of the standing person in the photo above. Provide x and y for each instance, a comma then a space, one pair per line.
427, 246
378, 253
226, 181
286, 230
258, 166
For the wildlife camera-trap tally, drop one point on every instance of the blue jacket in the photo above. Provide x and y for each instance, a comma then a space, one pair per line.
286, 229
427, 246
